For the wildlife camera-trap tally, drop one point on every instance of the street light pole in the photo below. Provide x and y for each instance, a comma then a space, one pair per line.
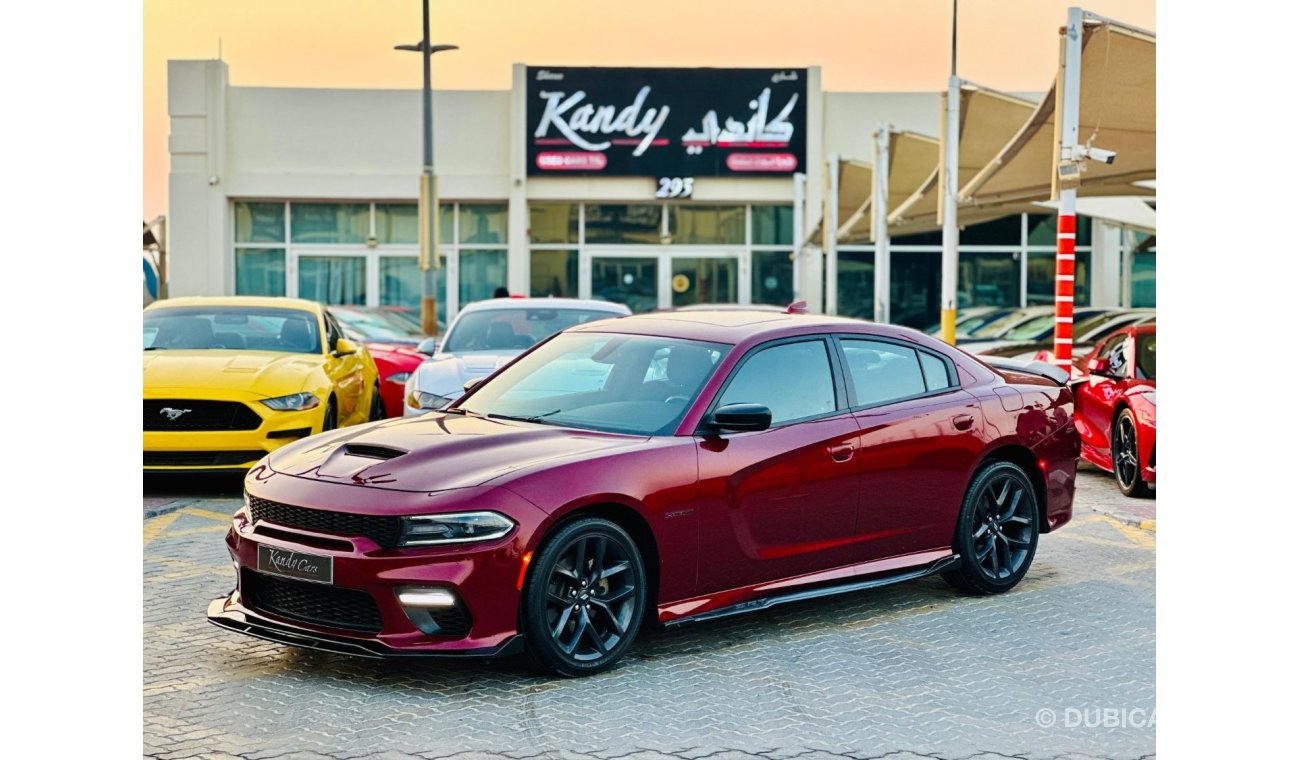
952, 126
429, 217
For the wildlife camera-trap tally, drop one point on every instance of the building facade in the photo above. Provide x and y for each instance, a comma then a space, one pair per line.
312, 193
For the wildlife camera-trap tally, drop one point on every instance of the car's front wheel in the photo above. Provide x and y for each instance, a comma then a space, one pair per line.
997, 531
585, 598
1124, 455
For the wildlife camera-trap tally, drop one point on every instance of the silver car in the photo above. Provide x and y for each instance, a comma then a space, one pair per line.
486, 335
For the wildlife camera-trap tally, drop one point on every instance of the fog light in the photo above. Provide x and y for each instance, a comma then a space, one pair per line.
434, 598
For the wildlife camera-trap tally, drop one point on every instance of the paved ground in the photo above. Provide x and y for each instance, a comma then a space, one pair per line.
1062, 667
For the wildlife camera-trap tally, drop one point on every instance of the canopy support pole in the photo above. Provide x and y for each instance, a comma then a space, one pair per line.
1066, 223
880, 222
830, 234
800, 179
948, 278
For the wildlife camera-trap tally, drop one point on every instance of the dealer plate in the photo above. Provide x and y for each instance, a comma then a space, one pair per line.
304, 567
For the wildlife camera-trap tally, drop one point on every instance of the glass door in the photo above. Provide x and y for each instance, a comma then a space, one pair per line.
646, 278
331, 278
704, 279
630, 280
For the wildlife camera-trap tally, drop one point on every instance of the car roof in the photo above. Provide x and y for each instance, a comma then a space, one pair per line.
266, 302
546, 303
731, 326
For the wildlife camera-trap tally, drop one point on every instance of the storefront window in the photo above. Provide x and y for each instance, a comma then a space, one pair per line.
856, 294
629, 281
397, 223
704, 280
483, 223
988, 279
554, 273
708, 225
330, 222
1042, 230
631, 223
914, 288
1040, 284
773, 278
1003, 231
332, 279
399, 281
259, 223
553, 223
481, 273
259, 271
773, 225
1143, 292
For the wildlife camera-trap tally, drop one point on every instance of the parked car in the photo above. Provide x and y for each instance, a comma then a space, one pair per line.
1040, 327
392, 343
1115, 408
486, 335
1009, 321
722, 464
227, 380
972, 318
1086, 334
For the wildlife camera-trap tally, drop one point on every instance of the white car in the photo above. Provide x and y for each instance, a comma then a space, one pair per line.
486, 335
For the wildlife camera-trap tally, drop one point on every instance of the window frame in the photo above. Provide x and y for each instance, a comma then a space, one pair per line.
837, 383
954, 383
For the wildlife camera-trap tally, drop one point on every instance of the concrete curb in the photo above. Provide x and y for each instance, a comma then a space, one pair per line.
1147, 524
171, 506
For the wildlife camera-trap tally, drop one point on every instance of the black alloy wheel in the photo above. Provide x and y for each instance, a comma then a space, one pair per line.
1124, 455
376, 404
997, 531
585, 598
331, 419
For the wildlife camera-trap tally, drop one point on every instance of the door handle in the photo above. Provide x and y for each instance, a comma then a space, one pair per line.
963, 421
842, 452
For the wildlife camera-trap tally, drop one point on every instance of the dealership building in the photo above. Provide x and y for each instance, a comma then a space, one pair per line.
652, 187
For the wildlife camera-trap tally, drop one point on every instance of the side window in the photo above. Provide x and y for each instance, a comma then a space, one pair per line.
883, 372
1113, 353
935, 371
791, 379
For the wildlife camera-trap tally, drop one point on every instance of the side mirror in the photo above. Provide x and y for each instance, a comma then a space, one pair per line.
470, 383
1098, 366
344, 347
428, 347
740, 418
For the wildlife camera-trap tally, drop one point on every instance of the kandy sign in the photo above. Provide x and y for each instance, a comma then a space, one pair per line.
666, 122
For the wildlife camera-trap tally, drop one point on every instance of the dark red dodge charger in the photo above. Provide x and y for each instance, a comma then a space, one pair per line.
661, 468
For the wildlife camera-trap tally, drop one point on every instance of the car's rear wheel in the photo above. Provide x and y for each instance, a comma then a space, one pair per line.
1124, 455
331, 418
584, 599
997, 531
376, 404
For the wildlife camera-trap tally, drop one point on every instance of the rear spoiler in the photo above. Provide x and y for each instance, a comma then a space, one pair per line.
1042, 369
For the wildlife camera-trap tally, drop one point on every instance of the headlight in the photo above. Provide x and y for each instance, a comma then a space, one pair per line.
294, 402
400, 377
422, 400
459, 528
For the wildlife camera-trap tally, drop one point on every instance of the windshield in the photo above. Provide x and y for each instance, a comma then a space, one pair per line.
601, 381
995, 328
372, 325
1146, 356
513, 329
232, 327
1032, 329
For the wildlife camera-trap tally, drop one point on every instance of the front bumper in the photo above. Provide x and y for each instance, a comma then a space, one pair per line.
227, 450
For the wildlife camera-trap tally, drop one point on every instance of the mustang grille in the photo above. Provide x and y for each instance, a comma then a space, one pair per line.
311, 603
200, 458
384, 531
183, 414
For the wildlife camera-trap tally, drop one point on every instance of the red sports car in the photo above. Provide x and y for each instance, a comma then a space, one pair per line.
1115, 408
662, 468
391, 343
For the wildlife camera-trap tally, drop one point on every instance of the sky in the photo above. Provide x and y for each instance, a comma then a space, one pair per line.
861, 45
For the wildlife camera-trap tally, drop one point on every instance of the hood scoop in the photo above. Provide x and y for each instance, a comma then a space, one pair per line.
370, 451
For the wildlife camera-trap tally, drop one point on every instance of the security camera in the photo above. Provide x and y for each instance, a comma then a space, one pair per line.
213, 180
1100, 154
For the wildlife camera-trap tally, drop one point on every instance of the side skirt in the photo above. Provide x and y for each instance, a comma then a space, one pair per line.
754, 605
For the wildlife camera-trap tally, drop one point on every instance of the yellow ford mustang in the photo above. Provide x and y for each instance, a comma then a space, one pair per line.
227, 380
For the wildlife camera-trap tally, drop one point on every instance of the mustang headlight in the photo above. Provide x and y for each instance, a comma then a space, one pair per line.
422, 400
458, 528
294, 402
400, 377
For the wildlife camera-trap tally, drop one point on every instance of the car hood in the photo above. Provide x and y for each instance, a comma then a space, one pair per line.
445, 374
267, 373
437, 451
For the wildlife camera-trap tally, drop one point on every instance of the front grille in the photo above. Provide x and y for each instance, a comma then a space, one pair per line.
183, 414
384, 531
311, 603
200, 458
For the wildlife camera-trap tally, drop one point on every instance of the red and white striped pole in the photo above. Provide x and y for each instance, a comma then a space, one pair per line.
1067, 111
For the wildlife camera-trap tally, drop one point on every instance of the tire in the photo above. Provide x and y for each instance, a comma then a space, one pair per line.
331, 418
1124, 457
997, 531
376, 405
592, 634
